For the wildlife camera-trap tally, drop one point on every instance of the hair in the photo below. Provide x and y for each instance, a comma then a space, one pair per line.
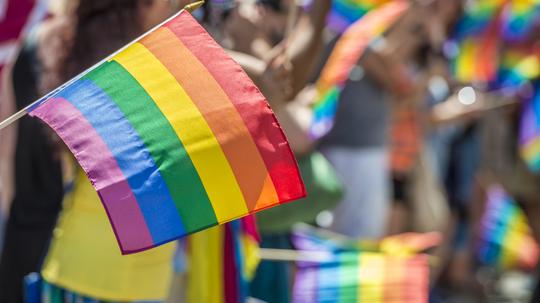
91, 30
275, 5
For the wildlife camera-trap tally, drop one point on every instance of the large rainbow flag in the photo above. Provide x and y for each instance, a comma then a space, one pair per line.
505, 240
352, 274
174, 137
344, 57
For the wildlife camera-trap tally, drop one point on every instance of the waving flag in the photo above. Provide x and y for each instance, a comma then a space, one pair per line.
489, 40
351, 273
505, 238
344, 57
174, 137
529, 132
346, 12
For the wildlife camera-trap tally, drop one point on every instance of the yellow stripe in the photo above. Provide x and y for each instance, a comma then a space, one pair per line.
531, 149
205, 274
371, 277
192, 129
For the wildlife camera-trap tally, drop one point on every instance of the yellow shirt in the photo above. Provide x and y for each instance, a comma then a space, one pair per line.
85, 258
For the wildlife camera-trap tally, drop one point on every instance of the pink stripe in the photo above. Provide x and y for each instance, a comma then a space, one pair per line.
103, 171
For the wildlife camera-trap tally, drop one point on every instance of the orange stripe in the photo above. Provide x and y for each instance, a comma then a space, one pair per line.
231, 133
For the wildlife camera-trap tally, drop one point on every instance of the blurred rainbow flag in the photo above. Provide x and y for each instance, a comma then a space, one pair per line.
346, 12
487, 42
505, 237
529, 135
518, 66
519, 18
344, 57
359, 273
477, 35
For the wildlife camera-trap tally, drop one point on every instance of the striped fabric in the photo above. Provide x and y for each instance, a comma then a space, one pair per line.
405, 140
363, 277
174, 137
505, 240
347, 271
529, 132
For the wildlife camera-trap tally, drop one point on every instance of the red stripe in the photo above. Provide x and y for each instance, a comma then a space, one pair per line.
247, 99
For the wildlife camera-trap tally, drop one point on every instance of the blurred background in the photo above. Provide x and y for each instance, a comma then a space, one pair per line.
415, 123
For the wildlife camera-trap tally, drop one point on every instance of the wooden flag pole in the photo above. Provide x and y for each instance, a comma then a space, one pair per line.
8, 121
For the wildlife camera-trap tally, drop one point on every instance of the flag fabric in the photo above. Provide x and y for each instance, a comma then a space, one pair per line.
529, 131
505, 240
489, 41
174, 137
349, 274
222, 261
518, 66
344, 57
346, 12
492, 46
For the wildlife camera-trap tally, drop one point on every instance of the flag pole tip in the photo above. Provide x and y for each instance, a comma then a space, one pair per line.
193, 6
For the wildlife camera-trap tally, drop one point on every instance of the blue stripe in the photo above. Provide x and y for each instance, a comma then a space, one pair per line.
134, 159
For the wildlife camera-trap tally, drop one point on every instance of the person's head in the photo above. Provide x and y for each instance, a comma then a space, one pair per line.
92, 29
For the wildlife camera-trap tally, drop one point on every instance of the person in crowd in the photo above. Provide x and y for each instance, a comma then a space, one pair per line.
83, 258
357, 145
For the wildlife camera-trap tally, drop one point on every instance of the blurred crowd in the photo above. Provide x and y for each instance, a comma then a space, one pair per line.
413, 146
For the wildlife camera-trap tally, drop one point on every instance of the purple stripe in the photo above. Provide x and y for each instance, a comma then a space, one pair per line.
305, 285
103, 171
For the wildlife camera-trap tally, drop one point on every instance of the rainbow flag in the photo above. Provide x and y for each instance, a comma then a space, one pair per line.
518, 66
174, 137
477, 35
529, 131
505, 238
519, 19
348, 274
222, 261
488, 41
344, 57
346, 12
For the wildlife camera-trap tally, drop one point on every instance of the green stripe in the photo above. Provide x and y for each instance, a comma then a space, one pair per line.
158, 135
348, 277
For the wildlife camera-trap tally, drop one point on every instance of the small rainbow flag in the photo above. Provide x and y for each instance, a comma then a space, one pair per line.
505, 237
489, 37
529, 135
174, 137
518, 66
477, 35
350, 275
346, 12
344, 57
222, 262
519, 18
